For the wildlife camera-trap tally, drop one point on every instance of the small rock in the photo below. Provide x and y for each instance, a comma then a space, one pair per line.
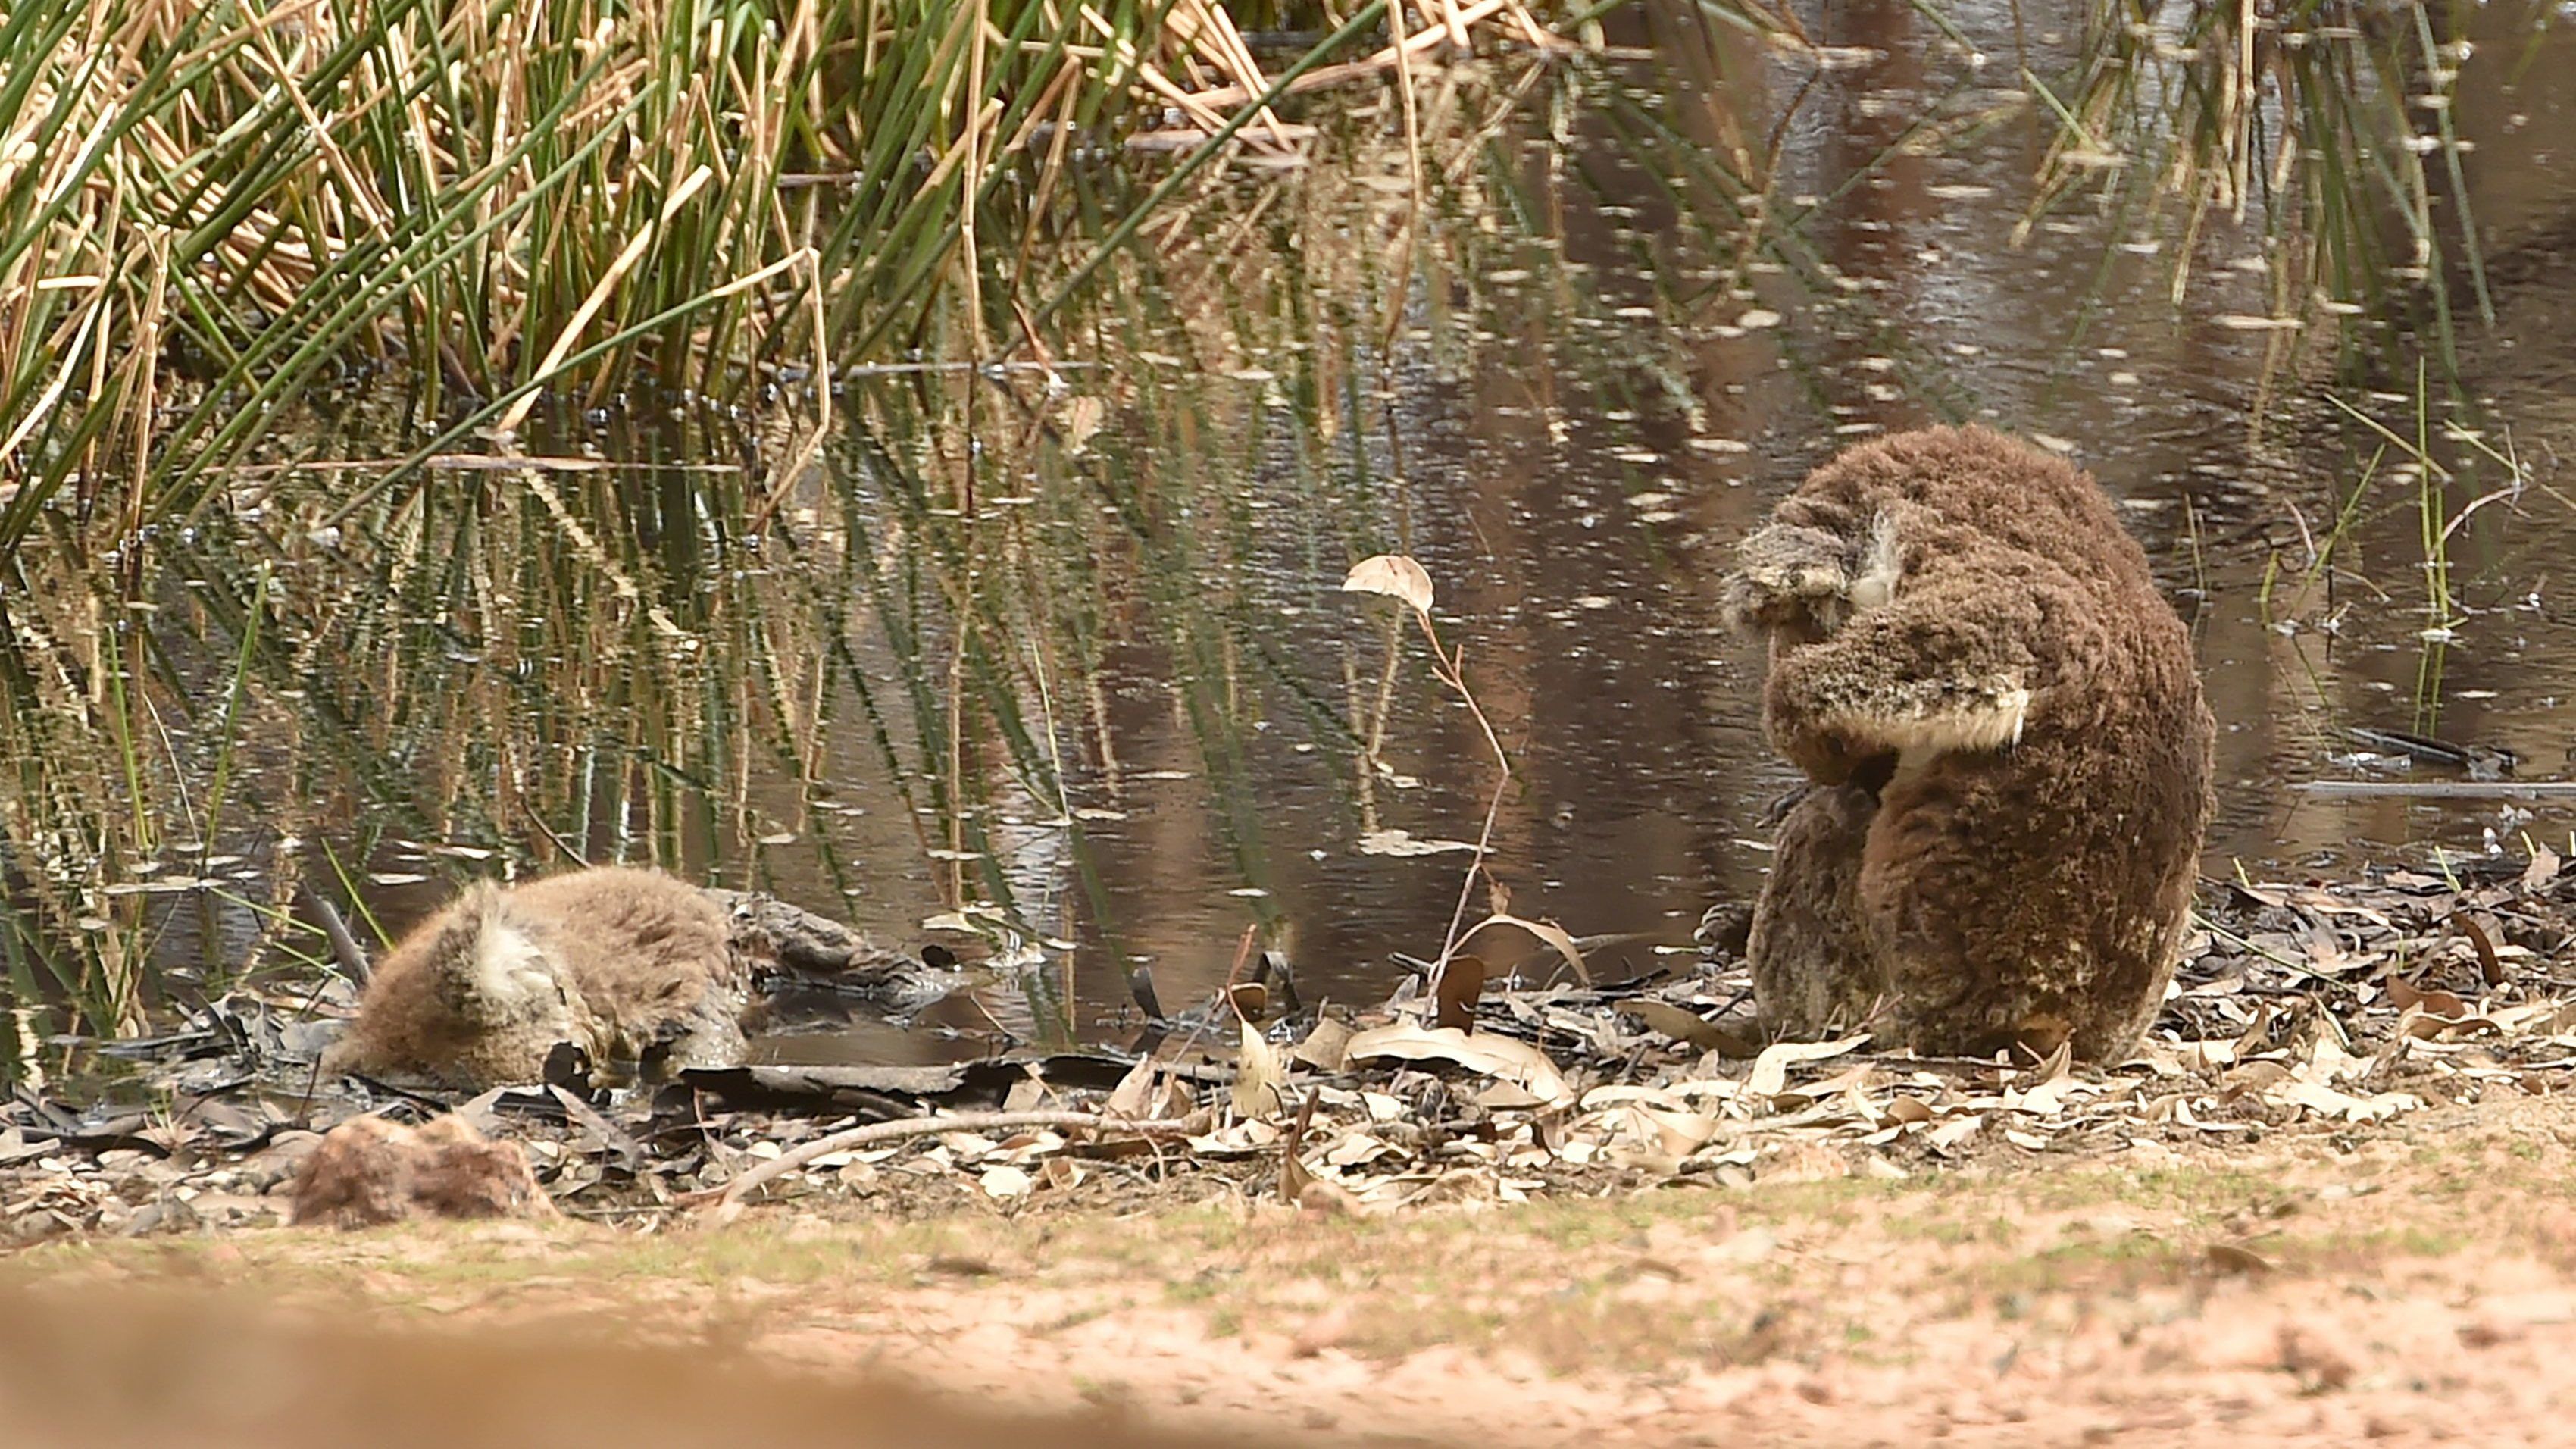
168, 1213
369, 1170
279, 1162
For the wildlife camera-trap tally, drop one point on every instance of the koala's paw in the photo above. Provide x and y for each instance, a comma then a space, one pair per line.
1788, 575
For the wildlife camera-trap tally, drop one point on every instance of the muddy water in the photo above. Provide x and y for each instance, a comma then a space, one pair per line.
1076, 656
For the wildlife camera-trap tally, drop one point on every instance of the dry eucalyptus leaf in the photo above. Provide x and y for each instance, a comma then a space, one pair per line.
1256, 1075
2327, 1102
1496, 1056
1134, 1092
2490, 965
1547, 931
1403, 843
1079, 417
1327, 1047
2055, 1067
1908, 1110
1771, 1069
1393, 575
1251, 1000
1679, 1023
2542, 870
1460, 981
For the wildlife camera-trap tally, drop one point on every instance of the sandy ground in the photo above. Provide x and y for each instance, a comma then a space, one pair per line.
2411, 1284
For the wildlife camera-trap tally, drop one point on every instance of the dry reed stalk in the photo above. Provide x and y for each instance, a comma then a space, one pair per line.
1324, 77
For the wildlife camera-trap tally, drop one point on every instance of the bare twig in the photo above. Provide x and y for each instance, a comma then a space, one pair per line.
2441, 789
874, 1133
344, 946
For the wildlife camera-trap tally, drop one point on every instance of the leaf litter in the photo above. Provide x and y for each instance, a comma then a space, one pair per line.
2303, 1006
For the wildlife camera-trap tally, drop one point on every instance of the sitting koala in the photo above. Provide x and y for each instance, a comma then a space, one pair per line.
2009, 754
628, 965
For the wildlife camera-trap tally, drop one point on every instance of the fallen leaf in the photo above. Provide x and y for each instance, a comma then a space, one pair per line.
1256, 1075
1080, 416
1771, 1069
1133, 1092
1460, 980
1506, 1057
1403, 843
2404, 995
1547, 931
1907, 1110
1250, 999
2490, 966
2542, 870
2254, 1077
2055, 1068
1679, 1023
1678, 1133
2328, 1102
1004, 1183
1393, 575
1327, 1047
1293, 1176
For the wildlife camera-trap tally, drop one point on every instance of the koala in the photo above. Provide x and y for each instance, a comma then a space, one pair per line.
631, 966
369, 1171
2007, 753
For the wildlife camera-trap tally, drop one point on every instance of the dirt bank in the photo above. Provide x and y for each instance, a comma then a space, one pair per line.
2408, 1283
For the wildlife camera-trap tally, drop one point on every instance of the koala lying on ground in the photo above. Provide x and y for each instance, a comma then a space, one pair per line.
628, 965
2009, 753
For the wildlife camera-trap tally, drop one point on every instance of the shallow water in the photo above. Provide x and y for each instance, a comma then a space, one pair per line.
1083, 655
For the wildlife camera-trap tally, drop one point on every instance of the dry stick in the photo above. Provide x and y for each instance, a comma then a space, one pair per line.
1403, 269
1234, 55
876, 1132
2442, 789
1453, 672
344, 947
1324, 76
1538, 37
1456, 27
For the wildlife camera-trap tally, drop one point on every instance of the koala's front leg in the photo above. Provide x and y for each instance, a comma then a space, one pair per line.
1947, 666
1791, 581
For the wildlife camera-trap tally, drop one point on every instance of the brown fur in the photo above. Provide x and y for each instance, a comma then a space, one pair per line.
628, 965
1970, 658
370, 1171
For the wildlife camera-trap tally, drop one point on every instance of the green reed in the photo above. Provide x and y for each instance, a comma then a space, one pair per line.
2321, 128
205, 216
